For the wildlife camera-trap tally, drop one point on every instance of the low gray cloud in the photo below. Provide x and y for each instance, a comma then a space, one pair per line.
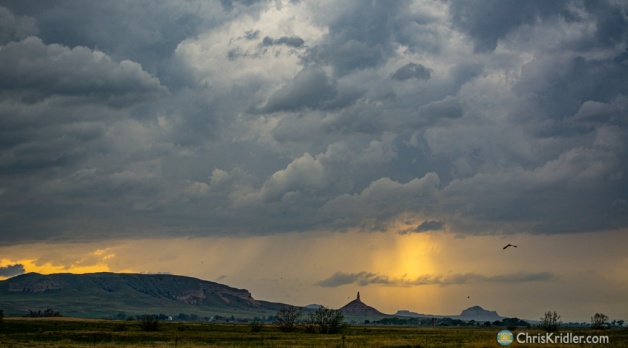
367, 278
290, 41
30, 66
411, 71
12, 270
430, 225
486, 22
14, 27
311, 88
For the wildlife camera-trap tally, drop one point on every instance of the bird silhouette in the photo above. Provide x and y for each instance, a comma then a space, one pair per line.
509, 245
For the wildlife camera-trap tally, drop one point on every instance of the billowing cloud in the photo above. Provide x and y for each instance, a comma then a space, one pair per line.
411, 71
14, 27
486, 22
214, 118
11, 270
367, 278
30, 66
311, 88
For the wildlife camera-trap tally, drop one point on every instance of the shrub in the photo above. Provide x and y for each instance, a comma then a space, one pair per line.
149, 323
550, 321
256, 325
287, 318
327, 320
599, 320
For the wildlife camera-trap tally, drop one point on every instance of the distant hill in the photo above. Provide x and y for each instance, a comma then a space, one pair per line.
105, 294
406, 313
359, 308
476, 313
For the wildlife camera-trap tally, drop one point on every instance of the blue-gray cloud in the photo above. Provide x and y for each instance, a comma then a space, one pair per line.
411, 71
430, 225
367, 278
291, 41
12, 270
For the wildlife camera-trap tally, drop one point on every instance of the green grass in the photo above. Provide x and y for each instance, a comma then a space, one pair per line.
66, 332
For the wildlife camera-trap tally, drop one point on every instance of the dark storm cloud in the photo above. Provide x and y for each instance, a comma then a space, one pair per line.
488, 21
32, 66
12, 270
15, 27
611, 22
174, 119
361, 35
367, 278
430, 225
147, 36
577, 81
311, 88
290, 41
410, 71
230, 4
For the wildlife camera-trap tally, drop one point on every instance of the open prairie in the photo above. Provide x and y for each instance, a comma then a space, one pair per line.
65, 332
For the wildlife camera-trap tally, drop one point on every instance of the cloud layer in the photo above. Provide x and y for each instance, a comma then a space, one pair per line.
367, 278
223, 118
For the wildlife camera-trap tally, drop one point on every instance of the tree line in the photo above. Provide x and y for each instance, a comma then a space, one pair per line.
323, 320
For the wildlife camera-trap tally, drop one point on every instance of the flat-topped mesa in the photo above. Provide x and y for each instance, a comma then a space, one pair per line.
179, 288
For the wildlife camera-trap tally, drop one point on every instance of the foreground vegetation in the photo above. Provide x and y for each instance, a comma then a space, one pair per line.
69, 332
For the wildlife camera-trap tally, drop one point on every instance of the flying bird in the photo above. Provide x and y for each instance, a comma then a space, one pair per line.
509, 245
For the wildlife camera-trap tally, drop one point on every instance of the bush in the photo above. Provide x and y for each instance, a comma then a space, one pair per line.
599, 321
287, 318
256, 325
149, 323
328, 321
310, 323
550, 321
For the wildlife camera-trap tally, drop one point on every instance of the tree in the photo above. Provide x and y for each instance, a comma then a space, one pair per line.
550, 321
327, 320
287, 318
598, 321
1, 315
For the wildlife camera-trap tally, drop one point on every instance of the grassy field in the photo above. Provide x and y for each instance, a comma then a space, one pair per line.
66, 332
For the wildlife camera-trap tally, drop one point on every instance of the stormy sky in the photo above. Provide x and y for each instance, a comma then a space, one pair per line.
306, 150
